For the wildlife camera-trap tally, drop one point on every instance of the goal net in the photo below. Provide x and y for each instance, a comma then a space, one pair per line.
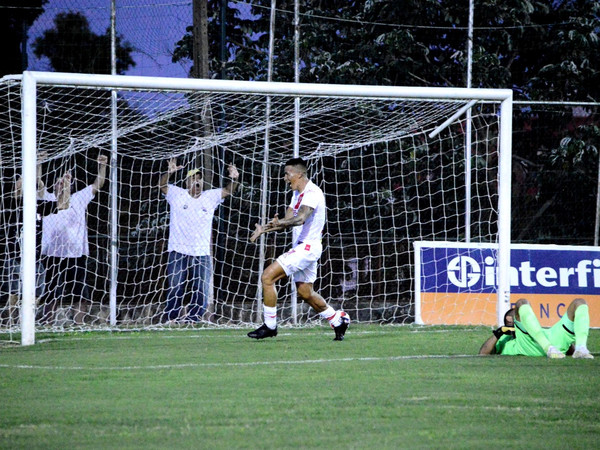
388, 178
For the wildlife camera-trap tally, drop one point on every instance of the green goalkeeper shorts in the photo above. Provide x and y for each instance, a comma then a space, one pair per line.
561, 335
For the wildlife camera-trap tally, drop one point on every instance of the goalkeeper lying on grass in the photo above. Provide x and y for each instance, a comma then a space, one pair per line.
522, 333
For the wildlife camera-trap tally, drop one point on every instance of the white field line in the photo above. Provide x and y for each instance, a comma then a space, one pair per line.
204, 334
233, 364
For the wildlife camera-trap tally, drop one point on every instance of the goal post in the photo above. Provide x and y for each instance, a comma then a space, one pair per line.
355, 138
29, 159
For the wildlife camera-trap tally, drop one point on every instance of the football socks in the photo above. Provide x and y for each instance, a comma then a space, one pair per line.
581, 326
270, 315
332, 316
533, 327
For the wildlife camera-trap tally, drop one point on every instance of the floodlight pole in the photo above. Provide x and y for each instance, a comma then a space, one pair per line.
468, 129
296, 153
114, 217
296, 78
265, 168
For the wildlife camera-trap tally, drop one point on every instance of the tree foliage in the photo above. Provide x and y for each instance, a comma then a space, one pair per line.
71, 46
545, 51
16, 16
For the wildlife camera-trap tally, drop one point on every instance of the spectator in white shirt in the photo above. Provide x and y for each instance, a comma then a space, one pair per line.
191, 216
65, 246
46, 204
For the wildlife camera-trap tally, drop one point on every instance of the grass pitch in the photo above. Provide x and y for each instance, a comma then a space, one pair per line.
382, 387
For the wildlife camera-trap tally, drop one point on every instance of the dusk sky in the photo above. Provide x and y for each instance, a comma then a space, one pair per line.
153, 27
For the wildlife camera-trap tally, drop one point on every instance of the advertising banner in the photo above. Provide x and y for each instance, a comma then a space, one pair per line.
456, 283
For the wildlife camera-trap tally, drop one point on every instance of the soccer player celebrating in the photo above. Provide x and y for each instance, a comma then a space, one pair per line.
522, 333
306, 217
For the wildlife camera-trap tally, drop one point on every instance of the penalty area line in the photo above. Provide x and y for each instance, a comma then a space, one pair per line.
234, 364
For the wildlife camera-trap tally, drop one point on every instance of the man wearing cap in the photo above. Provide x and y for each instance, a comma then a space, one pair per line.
191, 215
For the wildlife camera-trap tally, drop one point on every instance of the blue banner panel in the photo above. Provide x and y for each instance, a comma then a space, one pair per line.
458, 282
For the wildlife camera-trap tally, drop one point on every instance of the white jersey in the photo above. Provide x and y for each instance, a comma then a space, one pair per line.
312, 229
191, 220
49, 197
65, 233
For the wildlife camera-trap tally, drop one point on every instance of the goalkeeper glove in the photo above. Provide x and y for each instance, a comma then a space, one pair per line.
504, 330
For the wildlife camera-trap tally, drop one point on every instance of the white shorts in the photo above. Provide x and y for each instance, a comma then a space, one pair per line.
301, 261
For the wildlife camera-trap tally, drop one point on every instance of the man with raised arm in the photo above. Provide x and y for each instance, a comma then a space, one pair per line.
191, 215
306, 216
46, 204
522, 333
65, 244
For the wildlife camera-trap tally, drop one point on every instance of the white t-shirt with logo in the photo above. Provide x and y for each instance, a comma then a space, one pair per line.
312, 229
65, 233
191, 220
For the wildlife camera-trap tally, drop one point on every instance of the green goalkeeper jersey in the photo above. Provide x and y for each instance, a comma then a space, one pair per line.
561, 335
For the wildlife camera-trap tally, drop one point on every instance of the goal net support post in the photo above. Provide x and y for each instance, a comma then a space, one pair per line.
387, 123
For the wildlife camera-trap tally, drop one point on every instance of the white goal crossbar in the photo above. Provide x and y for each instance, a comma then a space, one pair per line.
31, 80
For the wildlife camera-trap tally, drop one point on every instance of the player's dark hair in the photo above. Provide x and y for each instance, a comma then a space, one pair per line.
297, 162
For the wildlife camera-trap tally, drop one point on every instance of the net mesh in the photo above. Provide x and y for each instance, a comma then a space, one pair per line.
386, 182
